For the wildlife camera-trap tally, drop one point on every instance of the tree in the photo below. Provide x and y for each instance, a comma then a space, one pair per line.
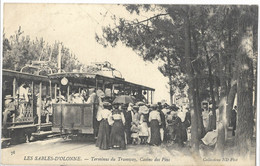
20, 50
161, 36
245, 80
200, 42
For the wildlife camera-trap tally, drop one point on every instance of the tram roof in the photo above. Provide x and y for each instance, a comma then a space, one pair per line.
22, 75
91, 76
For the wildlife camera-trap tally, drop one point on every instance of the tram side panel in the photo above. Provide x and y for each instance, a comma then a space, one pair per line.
73, 118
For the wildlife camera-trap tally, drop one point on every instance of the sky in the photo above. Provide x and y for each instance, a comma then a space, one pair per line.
75, 26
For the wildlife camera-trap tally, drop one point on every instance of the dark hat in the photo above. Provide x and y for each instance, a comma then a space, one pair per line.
174, 107
154, 106
165, 104
106, 104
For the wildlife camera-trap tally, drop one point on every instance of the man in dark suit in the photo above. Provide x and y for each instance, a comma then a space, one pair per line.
163, 122
127, 110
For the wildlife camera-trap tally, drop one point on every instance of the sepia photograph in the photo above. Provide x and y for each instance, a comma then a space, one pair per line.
129, 83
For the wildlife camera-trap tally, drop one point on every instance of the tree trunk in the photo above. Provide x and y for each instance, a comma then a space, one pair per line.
244, 105
211, 87
230, 103
197, 100
191, 92
255, 102
170, 80
220, 144
251, 91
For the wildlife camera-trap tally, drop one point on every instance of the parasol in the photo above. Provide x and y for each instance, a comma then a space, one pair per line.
123, 99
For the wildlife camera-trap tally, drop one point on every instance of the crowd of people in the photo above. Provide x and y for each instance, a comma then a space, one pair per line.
122, 124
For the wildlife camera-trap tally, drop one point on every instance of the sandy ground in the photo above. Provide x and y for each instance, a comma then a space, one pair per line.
57, 151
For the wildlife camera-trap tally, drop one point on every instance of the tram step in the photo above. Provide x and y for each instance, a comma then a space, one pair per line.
44, 124
5, 139
42, 133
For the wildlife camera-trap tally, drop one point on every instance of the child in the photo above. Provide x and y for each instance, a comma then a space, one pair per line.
135, 133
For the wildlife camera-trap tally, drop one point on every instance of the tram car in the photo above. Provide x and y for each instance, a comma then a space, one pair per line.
79, 96
24, 106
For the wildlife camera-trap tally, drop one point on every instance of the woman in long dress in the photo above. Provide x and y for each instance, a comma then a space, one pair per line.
117, 136
104, 128
155, 120
143, 133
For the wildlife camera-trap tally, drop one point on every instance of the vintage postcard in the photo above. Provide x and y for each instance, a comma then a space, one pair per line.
129, 84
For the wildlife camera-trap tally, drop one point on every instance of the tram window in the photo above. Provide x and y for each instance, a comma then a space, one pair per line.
24, 91
108, 92
7, 87
46, 89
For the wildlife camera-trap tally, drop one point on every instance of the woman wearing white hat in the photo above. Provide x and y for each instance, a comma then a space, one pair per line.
143, 133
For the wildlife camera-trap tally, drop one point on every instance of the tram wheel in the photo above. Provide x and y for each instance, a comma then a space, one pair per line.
65, 137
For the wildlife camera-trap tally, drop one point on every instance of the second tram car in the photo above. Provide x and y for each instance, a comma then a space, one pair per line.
70, 117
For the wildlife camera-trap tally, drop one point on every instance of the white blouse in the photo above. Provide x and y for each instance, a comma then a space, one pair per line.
104, 114
154, 115
117, 117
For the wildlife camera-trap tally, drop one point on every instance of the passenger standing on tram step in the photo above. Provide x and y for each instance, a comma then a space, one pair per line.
93, 99
9, 108
117, 135
128, 122
155, 121
104, 116
47, 108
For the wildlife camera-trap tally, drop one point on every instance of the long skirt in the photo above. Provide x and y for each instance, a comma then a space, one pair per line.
117, 136
183, 133
103, 135
155, 132
128, 134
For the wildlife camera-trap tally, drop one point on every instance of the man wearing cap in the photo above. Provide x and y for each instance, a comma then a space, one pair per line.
8, 108
128, 121
163, 122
